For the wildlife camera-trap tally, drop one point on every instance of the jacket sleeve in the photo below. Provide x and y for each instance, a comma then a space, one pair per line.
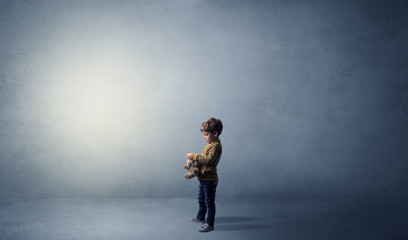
207, 157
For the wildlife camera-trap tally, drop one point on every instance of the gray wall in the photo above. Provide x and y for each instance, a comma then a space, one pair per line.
104, 98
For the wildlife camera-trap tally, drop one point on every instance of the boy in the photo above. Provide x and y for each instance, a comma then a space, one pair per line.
208, 178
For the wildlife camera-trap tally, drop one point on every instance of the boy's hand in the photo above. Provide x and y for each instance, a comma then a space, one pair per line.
190, 156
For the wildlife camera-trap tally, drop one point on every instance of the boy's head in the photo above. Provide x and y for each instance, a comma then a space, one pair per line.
211, 129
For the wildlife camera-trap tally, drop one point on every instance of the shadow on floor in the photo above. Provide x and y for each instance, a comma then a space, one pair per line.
231, 223
231, 219
236, 227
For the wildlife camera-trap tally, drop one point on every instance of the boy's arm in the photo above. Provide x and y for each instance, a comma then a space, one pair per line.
205, 158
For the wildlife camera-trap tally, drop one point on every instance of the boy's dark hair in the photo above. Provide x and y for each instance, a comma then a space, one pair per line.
212, 125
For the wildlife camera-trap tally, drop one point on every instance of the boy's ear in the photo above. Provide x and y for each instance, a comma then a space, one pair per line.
216, 133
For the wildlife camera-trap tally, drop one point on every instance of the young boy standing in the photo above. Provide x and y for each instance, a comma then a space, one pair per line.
208, 177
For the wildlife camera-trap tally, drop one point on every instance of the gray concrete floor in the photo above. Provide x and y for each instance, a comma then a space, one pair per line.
151, 219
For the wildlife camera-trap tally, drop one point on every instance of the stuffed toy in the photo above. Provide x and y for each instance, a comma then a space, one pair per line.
193, 169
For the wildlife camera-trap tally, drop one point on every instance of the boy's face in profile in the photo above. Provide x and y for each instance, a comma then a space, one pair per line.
210, 136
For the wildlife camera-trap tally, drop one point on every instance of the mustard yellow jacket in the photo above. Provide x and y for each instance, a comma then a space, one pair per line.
208, 161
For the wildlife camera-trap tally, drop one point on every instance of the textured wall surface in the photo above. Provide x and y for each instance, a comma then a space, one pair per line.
104, 98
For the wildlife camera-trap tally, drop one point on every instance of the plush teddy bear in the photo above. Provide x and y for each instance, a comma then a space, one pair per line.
193, 169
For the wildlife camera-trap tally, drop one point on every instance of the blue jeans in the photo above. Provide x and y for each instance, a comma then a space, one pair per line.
206, 201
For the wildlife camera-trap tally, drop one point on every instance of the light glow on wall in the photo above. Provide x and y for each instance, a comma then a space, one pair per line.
94, 101
97, 101
94, 84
